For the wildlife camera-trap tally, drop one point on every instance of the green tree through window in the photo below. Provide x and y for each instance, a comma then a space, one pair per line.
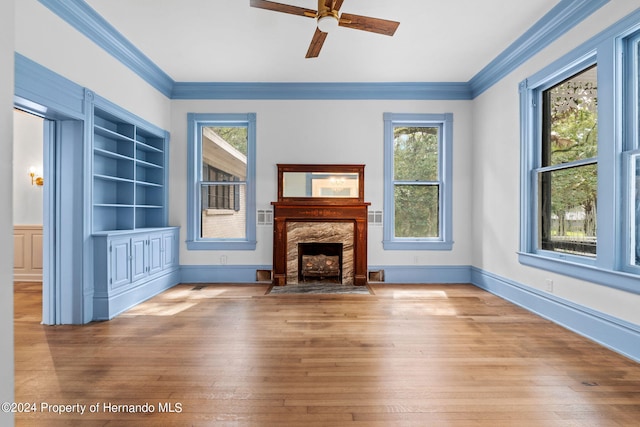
416, 177
418, 181
569, 172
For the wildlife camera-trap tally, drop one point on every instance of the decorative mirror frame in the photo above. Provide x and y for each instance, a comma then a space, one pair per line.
329, 169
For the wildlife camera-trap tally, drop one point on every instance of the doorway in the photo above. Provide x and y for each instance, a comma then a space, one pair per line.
58, 207
28, 198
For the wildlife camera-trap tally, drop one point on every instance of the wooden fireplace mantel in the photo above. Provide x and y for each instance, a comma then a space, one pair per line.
285, 212
321, 209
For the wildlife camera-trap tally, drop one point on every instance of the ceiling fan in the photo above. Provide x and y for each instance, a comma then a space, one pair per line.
328, 18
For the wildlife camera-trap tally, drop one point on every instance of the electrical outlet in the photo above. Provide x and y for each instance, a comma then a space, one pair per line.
223, 260
549, 285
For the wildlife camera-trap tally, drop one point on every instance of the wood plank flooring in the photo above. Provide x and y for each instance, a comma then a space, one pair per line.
228, 355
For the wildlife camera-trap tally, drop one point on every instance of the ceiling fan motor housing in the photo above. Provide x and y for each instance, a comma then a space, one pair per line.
327, 20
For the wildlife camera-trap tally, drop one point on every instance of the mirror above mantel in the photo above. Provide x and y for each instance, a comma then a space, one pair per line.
320, 184
324, 183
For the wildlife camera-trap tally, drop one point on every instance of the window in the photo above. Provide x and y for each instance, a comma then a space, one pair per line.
568, 174
633, 162
631, 156
221, 168
580, 161
417, 195
560, 203
217, 195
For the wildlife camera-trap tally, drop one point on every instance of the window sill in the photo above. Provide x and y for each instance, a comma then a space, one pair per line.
417, 245
590, 273
227, 245
214, 212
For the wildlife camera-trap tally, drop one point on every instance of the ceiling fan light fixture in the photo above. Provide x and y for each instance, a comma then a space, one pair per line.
328, 17
327, 23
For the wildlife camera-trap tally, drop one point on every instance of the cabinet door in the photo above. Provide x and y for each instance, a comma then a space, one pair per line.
119, 262
168, 249
155, 253
139, 262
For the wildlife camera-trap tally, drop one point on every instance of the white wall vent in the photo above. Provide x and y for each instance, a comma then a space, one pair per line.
265, 217
375, 218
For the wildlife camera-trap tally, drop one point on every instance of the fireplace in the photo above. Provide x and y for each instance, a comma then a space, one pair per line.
316, 237
329, 226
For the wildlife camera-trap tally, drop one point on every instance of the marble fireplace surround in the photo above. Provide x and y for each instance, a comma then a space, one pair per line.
320, 232
301, 223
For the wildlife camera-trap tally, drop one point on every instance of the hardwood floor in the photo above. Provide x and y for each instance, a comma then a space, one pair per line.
410, 355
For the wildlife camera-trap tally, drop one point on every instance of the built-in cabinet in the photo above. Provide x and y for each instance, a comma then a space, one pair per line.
135, 252
131, 266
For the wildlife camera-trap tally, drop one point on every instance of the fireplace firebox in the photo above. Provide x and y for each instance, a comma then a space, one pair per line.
320, 261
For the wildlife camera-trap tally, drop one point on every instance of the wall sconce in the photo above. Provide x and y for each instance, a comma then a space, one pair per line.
35, 179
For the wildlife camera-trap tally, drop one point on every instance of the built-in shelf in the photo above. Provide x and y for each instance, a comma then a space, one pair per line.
129, 176
135, 252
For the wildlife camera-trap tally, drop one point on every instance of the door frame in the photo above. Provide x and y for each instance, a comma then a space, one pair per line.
68, 246
64, 300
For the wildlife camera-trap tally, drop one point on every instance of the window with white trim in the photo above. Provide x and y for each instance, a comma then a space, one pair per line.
221, 194
417, 196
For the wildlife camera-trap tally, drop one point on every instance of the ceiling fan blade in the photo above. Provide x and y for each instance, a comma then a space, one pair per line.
316, 44
365, 23
285, 8
338, 5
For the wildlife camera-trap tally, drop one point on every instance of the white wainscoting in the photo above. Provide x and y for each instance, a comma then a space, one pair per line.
27, 253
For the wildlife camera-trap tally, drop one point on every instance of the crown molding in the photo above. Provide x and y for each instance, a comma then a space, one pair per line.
37, 87
319, 91
563, 17
85, 19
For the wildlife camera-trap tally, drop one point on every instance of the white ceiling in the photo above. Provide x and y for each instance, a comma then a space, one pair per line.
229, 41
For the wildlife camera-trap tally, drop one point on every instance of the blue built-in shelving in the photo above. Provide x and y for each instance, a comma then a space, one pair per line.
135, 252
129, 176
